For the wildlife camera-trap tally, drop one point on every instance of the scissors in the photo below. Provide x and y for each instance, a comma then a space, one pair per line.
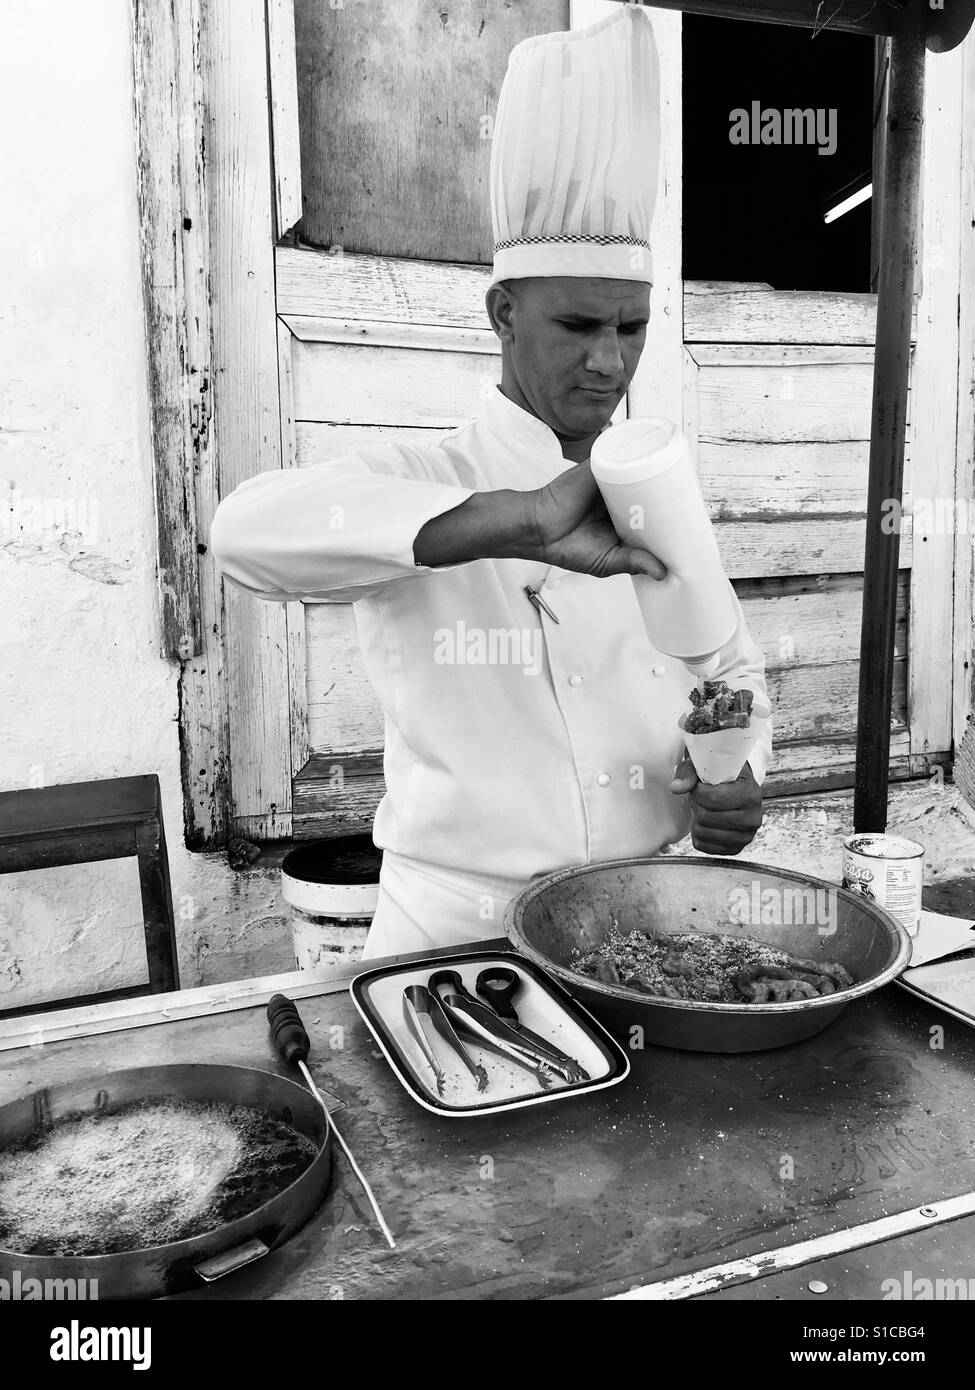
498, 985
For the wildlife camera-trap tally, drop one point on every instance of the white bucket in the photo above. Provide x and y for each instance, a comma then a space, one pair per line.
332, 887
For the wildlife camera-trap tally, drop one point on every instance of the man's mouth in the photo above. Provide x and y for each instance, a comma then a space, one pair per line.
599, 392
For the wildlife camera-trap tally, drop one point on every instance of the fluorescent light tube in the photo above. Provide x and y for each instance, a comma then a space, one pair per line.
854, 201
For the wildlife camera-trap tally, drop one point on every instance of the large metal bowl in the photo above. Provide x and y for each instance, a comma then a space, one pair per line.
569, 913
166, 1269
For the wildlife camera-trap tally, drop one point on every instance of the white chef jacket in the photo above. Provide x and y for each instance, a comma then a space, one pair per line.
514, 745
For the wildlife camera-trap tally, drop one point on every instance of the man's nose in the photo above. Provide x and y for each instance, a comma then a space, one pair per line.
604, 356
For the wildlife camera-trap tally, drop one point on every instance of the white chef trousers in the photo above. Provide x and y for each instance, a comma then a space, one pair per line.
423, 907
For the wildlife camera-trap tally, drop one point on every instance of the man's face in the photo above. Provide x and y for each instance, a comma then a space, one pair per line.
572, 345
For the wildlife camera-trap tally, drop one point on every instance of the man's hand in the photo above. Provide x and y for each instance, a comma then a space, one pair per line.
570, 528
726, 817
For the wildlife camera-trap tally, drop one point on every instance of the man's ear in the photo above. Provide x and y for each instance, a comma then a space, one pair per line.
500, 302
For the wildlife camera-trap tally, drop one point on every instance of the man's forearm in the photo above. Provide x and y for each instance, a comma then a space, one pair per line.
486, 526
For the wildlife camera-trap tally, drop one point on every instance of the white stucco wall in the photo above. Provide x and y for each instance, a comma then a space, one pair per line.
84, 691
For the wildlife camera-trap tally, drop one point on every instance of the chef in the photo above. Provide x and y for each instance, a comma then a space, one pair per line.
529, 723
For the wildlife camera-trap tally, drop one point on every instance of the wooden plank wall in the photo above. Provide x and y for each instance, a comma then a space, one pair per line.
396, 99
782, 431
778, 390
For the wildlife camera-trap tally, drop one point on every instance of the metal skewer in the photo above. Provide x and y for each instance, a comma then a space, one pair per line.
294, 1045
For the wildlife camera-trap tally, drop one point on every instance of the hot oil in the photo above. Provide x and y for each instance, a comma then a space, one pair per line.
147, 1173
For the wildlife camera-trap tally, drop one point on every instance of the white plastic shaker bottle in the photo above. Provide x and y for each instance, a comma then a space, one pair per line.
645, 472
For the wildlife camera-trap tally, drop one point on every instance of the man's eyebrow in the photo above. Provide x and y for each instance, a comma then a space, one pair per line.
571, 316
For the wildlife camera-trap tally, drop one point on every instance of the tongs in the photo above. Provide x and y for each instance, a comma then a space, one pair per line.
421, 1010
475, 1020
416, 1014
443, 1025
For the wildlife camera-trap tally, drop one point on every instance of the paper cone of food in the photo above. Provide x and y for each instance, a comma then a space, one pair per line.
720, 756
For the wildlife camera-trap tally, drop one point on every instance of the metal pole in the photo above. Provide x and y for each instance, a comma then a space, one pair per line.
895, 302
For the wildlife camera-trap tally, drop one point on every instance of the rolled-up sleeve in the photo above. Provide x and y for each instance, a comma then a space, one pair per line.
741, 663
334, 532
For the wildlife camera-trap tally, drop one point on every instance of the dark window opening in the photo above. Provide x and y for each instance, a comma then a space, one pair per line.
755, 211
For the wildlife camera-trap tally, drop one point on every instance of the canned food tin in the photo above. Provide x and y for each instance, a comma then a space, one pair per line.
886, 868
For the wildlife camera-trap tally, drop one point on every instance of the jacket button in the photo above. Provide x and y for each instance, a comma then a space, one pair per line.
658, 670
575, 680
604, 779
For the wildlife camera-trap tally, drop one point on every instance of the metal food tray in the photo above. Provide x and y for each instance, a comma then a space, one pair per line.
947, 984
543, 1005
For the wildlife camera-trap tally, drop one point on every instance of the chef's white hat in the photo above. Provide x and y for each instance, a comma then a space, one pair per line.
575, 152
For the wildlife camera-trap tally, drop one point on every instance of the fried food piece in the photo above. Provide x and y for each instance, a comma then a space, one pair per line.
767, 991
606, 971
673, 965
822, 984
797, 989
764, 984
718, 707
641, 983
645, 986
751, 973
757, 991
830, 968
